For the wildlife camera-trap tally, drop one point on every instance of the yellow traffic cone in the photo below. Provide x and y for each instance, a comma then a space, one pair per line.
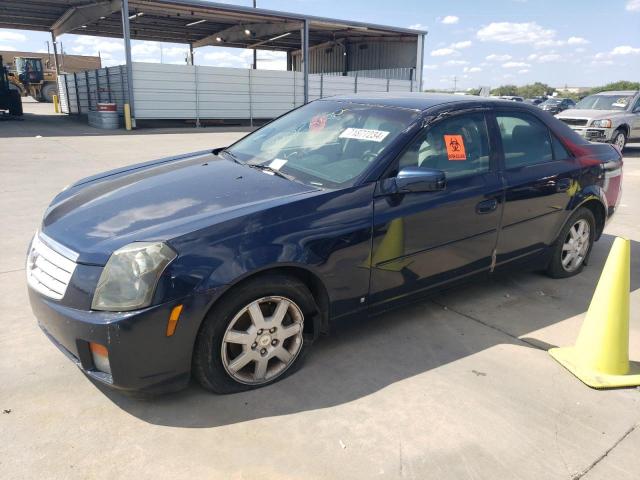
600, 357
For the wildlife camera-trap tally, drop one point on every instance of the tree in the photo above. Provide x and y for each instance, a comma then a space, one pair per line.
619, 85
536, 89
505, 90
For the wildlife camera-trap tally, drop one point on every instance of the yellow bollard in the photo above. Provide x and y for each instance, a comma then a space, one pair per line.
600, 357
56, 105
127, 116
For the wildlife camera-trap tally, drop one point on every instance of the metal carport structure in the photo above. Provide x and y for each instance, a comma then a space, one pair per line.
313, 44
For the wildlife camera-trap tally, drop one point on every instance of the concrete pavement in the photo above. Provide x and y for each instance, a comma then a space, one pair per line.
456, 387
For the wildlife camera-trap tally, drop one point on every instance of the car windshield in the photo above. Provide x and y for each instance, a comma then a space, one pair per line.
604, 102
552, 101
325, 143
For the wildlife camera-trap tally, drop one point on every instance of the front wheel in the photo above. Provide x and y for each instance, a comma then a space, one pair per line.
619, 139
255, 336
573, 246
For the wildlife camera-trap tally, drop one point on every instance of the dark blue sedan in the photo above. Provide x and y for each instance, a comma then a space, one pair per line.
226, 265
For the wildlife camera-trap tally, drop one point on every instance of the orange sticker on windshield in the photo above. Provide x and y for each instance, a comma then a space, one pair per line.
318, 122
455, 147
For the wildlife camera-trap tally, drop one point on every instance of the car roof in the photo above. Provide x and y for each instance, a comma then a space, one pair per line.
415, 100
618, 92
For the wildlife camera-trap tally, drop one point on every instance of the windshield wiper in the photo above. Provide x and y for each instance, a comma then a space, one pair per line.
231, 156
267, 168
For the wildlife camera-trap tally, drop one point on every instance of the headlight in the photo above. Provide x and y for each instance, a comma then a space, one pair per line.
601, 123
130, 276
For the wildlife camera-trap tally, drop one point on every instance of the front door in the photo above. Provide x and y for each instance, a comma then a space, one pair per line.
426, 238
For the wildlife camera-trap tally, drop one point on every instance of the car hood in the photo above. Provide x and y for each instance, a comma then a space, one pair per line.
159, 201
589, 114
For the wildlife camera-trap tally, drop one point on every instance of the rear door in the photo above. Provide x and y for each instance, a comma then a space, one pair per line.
421, 239
540, 178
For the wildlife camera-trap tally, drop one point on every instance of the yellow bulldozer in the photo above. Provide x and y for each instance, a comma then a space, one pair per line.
32, 79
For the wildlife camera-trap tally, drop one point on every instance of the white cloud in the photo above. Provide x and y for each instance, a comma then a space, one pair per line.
430, 67
450, 20
12, 37
443, 52
498, 58
515, 65
625, 50
8, 48
471, 69
524, 70
454, 63
633, 6
514, 33
551, 57
459, 45
580, 50
577, 41
144, 49
417, 26
92, 45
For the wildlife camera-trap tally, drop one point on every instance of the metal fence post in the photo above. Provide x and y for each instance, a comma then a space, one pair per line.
98, 85
322, 85
388, 84
75, 84
251, 99
86, 84
108, 83
195, 72
66, 88
356, 84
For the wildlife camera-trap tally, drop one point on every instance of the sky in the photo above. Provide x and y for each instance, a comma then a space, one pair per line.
469, 44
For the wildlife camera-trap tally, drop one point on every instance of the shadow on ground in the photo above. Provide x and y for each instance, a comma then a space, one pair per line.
365, 356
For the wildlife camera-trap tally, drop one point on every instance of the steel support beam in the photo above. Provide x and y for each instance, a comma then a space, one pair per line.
237, 34
419, 61
126, 33
55, 54
305, 59
76, 17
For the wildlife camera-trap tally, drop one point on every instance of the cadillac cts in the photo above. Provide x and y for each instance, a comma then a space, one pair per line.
225, 265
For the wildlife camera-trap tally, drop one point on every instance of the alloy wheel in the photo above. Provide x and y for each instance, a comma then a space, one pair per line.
262, 340
620, 140
576, 245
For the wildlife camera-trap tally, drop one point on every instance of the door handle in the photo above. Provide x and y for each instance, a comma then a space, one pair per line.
487, 206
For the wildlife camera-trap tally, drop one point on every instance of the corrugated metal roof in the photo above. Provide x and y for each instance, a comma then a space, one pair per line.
166, 20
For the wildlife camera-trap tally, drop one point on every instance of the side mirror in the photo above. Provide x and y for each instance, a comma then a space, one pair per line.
417, 179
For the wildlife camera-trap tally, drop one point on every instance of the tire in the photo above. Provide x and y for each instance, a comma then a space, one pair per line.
619, 139
214, 356
570, 242
15, 103
48, 91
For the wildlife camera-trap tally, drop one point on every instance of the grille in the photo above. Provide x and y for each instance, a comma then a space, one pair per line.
48, 271
577, 122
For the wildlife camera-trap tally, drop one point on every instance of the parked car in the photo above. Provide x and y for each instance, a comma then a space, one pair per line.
536, 100
557, 105
513, 98
612, 117
227, 264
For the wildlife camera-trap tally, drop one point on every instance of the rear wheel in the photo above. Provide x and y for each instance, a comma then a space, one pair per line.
619, 139
573, 246
15, 103
255, 336
48, 91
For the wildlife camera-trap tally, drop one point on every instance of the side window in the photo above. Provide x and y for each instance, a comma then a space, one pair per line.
459, 146
525, 140
559, 152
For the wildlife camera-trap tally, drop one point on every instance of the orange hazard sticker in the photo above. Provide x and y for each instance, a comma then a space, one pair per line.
455, 147
318, 122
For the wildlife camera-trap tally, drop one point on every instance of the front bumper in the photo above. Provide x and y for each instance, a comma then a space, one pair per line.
594, 134
141, 356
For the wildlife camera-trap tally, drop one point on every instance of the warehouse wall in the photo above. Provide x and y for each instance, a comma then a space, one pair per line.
163, 91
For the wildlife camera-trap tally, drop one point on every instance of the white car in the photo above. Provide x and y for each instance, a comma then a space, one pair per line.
612, 117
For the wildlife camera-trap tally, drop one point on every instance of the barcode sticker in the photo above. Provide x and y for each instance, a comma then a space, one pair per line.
364, 134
